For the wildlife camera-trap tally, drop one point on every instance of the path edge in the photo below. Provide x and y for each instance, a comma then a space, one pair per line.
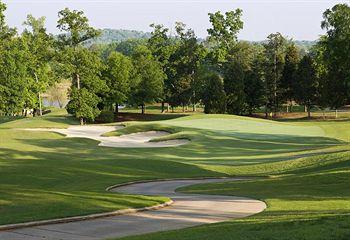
113, 213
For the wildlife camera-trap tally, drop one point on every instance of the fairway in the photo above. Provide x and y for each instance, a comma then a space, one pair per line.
45, 175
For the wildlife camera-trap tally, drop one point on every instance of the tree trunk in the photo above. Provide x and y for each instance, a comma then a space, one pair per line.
39, 95
305, 108
116, 112
183, 107
168, 108
78, 81
336, 113
324, 114
81, 121
309, 111
266, 113
143, 108
287, 108
194, 107
163, 107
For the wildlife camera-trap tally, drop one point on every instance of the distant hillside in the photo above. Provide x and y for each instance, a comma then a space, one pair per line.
118, 35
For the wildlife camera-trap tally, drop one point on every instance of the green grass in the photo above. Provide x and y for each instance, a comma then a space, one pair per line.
44, 175
312, 203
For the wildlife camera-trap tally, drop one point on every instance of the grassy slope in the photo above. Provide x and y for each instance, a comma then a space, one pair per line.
44, 175
311, 203
308, 198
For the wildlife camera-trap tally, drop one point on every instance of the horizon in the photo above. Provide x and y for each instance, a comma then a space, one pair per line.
298, 20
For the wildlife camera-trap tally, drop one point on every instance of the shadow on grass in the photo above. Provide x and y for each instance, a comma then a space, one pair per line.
128, 116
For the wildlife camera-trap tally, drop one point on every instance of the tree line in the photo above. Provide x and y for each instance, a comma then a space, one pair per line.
222, 73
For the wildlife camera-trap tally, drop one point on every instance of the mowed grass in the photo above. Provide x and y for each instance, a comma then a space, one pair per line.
44, 175
311, 200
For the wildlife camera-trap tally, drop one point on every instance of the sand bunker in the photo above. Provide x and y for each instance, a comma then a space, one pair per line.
134, 140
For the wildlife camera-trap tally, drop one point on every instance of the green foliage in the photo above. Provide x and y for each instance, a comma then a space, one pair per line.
148, 78
109, 36
336, 45
275, 56
214, 98
77, 28
13, 77
185, 62
117, 75
39, 48
83, 104
223, 33
307, 83
289, 78
81, 64
105, 117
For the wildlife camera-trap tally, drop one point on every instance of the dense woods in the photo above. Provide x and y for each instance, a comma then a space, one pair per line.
222, 73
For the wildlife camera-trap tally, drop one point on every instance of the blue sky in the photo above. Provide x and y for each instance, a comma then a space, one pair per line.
299, 19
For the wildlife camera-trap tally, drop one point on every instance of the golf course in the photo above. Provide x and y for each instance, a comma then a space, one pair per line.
298, 168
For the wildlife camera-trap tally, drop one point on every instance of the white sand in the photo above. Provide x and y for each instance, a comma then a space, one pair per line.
134, 140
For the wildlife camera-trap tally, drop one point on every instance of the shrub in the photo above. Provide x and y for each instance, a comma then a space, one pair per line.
105, 117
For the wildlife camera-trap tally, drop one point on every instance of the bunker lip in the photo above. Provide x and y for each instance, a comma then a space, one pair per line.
133, 140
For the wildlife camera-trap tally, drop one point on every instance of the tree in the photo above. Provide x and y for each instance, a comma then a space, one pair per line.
223, 33
161, 46
307, 83
148, 78
117, 76
336, 55
83, 104
84, 66
239, 61
185, 62
275, 60
213, 94
254, 82
39, 54
13, 64
288, 78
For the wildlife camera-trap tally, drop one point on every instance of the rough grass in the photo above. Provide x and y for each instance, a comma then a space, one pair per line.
44, 175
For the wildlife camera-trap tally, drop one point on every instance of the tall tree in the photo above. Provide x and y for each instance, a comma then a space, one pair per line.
39, 54
239, 62
80, 63
13, 64
185, 62
275, 60
254, 82
223, 33
117, 75
161, 46
288, 78
307, 83
336, 53
213, 93
148, 78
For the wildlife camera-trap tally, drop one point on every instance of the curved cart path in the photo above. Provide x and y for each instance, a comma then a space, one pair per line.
187, 210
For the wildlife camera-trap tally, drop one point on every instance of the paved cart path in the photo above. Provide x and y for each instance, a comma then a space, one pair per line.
187, 210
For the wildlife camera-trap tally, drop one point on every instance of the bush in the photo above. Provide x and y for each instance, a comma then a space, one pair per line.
105, 117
